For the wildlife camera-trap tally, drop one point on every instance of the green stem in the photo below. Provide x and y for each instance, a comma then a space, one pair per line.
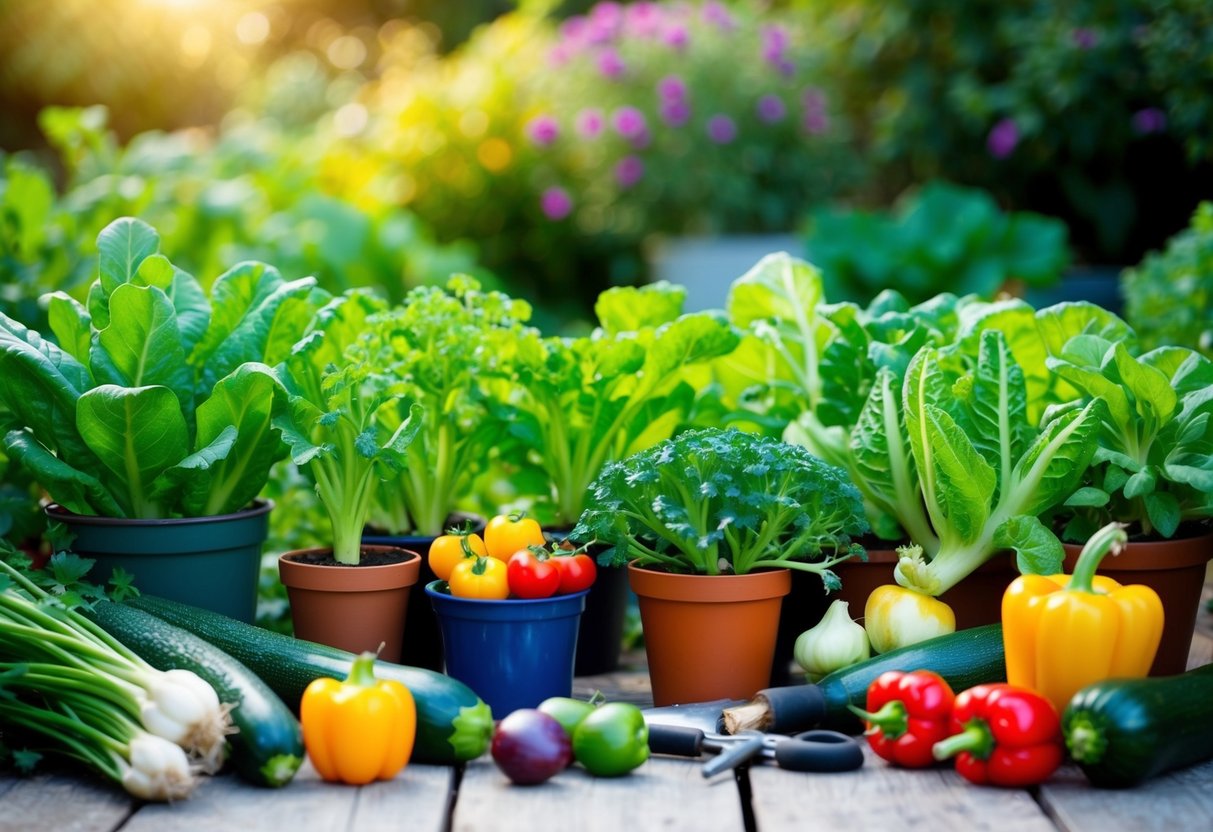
892, 719
1084, 740
1111, 538
362, 671
976, 738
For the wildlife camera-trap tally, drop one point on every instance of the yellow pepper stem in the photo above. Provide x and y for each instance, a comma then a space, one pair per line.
362, 672
1111, 538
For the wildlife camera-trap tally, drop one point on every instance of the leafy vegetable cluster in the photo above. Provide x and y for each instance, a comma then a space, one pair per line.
155, 401
712, 501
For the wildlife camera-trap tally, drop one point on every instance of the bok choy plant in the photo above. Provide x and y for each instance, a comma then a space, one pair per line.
724, 502
155, 400
68, 682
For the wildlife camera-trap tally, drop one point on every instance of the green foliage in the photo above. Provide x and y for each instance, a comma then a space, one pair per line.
1169, 296
157, 401
441, 348
940, 238
717, 501
340, 420
581, 402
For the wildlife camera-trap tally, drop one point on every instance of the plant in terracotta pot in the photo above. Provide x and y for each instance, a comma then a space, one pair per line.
1153, 471
148, 420
711, 522
443, 349
352, 596
582, 402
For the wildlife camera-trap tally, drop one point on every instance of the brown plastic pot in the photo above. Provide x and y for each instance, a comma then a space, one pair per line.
354, 608
977, 600
1175, 569
708, 636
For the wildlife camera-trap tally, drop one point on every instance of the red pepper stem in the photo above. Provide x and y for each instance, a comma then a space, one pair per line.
891, 720
362, 672
1111, 538
976, 738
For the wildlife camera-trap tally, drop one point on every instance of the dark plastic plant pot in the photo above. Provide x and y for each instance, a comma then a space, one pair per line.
514, 653
209, 562
423, 645
606, 610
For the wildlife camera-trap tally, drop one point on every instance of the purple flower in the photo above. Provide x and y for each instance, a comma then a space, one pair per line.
556, 203
629, 171
721, 129
560, 54
610, 64
814, 100
542, 130
676, 36
672, 88
607, 14
642, 19
816, 122
775, 37
1004, 135
1084, 38
590, 122
718, 15
1149, 120
630, 123
771, 108
674, 113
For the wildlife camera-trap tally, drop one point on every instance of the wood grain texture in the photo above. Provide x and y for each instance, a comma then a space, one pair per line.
880, 797
418, 795
1182, 800
668, 794
64, 802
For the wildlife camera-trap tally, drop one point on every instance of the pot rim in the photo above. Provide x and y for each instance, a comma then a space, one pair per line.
259, 508
432, 590
359, 578
769, 582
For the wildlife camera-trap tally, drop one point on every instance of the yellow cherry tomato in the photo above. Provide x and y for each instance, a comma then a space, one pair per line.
506, 534
481, 577
358, 730
446, 551
895, 617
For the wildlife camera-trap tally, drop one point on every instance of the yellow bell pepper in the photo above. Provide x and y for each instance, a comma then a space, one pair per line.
1062, 633
358, 730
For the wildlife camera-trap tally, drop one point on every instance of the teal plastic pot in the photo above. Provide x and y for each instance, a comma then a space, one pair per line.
209, 562
514, 653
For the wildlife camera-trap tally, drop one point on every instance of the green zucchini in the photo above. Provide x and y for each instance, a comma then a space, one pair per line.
267, 748
965, 658
1124, 731
453, 723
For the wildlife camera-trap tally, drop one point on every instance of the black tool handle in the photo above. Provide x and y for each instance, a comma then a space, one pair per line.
819, 750
678, 740
794, 708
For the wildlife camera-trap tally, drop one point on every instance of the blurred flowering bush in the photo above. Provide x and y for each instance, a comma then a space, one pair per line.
684, 118
1093, 110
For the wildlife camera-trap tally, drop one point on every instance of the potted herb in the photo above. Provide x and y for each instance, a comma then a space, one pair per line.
443, 348
710, 523
1153, 471
582, 402
149, 421
351, 596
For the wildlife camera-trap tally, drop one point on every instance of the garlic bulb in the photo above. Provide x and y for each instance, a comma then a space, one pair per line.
836, 642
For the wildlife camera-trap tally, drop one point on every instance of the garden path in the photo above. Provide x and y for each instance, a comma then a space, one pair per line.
665, 793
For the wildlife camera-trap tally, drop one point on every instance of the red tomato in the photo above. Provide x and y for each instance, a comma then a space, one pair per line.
577, 572
532, 575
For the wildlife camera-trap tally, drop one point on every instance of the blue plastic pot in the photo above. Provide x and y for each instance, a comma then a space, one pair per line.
513, 654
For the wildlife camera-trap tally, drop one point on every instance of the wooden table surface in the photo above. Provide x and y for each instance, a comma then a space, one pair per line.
664, 794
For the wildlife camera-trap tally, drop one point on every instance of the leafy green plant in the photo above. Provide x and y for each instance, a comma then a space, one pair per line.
441, 347
940, 238
1155, 459
335, 419
584, 401
1169, 295
722, 501
156, 401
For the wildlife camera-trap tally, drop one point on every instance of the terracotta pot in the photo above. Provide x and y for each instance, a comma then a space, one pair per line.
708, 636
976, 600
423, 647
1175, 569
354, 608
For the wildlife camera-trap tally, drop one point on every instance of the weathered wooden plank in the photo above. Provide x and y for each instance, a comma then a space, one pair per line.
664, 793
879, 796
417, 799
1180, 800
65, 802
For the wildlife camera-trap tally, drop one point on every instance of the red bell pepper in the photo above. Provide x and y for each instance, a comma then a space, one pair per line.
907, 714
1003, 735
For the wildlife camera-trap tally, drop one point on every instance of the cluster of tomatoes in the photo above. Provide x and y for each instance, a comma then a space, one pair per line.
512, 560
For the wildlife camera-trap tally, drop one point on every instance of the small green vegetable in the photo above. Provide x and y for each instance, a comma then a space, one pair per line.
612, 740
